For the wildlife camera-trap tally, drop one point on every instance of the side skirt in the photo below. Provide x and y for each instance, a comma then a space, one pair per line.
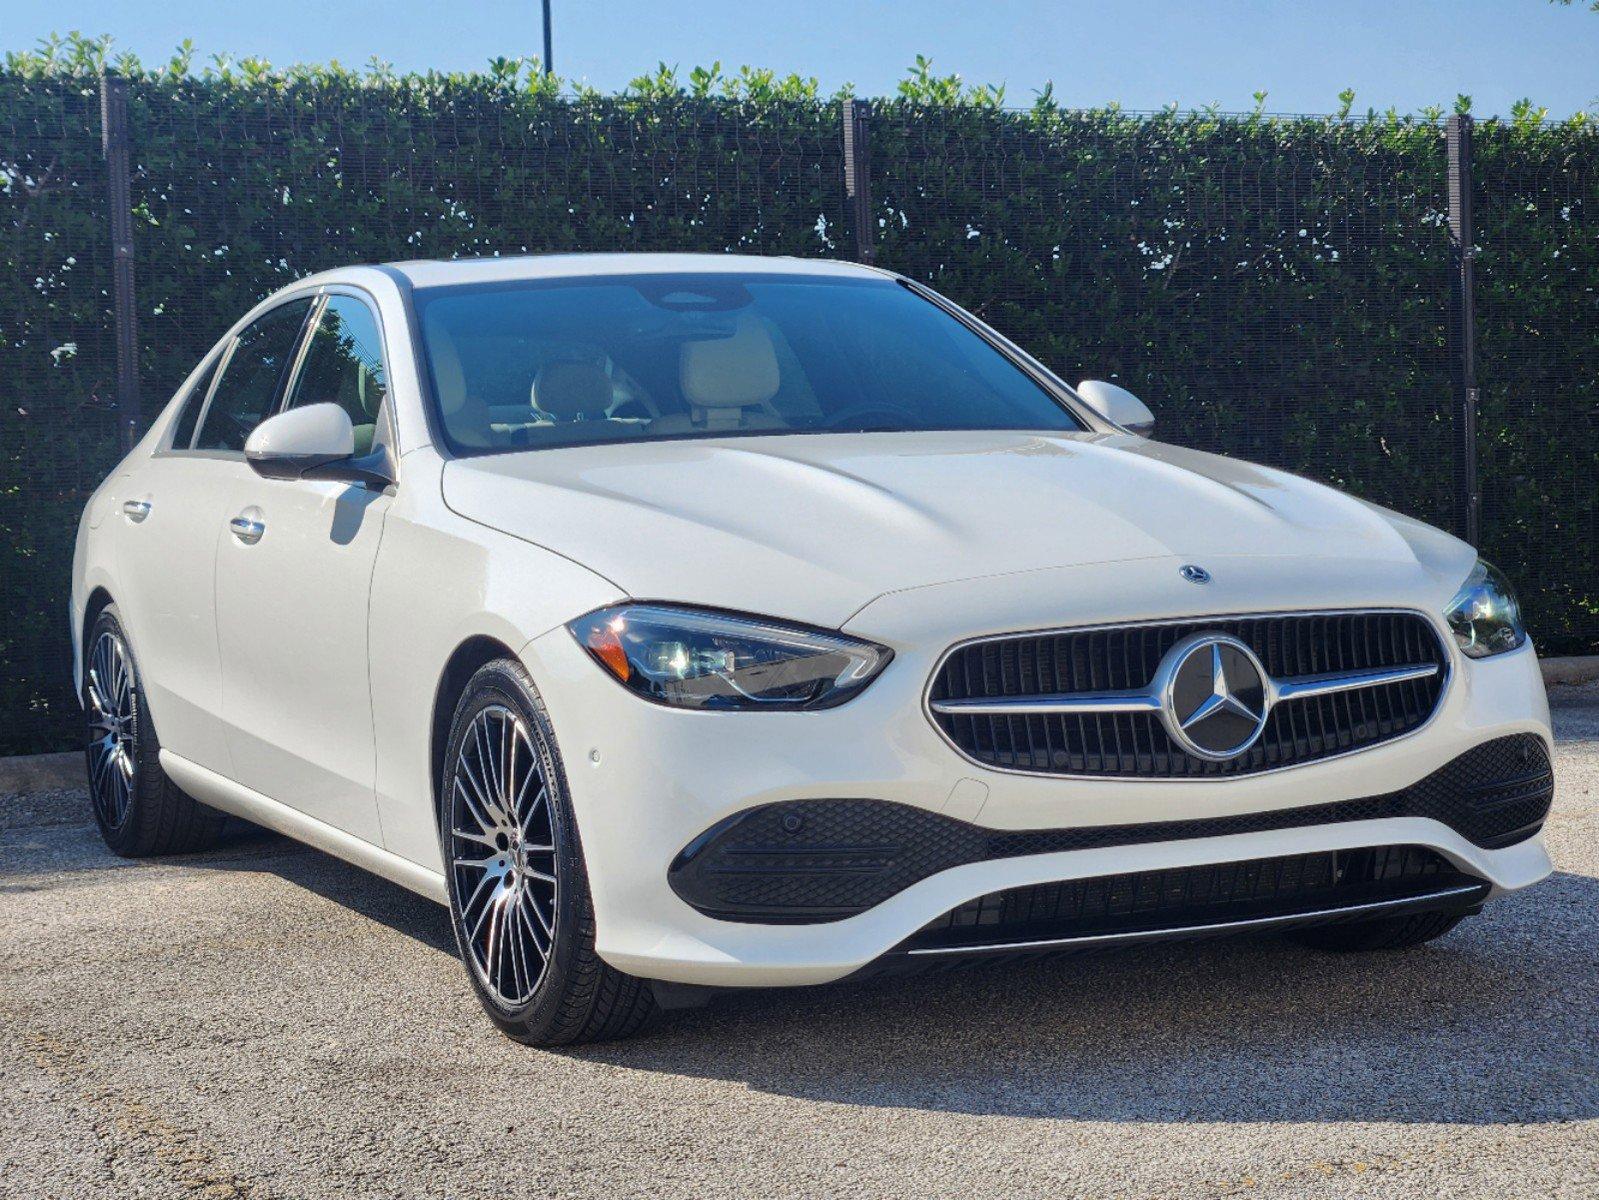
221, 792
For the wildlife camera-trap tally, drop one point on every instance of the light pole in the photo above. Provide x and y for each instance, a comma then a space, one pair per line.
549, 42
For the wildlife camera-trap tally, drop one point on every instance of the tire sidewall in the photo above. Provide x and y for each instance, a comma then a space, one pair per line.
506, 684
124, 838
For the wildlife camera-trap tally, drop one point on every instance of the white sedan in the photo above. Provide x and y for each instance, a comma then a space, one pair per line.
686, 622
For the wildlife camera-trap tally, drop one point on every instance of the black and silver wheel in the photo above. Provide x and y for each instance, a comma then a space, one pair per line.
138, 810
519, 897
503, 855
113, 713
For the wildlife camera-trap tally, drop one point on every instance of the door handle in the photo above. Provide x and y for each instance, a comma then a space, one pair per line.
136, 510
247, 531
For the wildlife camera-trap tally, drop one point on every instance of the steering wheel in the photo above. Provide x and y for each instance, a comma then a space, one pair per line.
857, 415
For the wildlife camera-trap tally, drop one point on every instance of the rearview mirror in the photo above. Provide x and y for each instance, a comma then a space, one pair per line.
313, 442
1117, 405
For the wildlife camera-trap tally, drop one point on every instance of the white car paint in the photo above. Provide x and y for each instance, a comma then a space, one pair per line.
164, 567
295, 680
291, 619
860, 515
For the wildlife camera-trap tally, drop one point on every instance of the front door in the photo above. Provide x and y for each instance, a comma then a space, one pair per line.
293, 576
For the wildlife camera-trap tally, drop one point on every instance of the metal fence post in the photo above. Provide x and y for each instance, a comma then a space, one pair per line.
114, 144
1463, 325
858, 174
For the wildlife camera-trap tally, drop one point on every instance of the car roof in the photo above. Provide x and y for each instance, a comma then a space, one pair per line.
441, 272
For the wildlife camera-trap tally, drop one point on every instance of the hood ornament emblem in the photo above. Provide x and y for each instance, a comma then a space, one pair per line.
1194, 573
1214, 696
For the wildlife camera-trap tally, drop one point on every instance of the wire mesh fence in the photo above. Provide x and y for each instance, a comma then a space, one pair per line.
1537, 202
58, 421
1277, 288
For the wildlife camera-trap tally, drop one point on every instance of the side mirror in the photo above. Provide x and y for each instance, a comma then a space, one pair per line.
1117, 405
314, 442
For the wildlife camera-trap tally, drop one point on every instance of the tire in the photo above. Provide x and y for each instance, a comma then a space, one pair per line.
540, 979
1387, 933
138, 810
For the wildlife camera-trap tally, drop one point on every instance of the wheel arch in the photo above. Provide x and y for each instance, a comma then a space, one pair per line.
98, 601
467, 659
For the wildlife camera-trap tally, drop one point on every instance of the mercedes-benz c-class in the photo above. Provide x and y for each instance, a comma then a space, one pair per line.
686, 622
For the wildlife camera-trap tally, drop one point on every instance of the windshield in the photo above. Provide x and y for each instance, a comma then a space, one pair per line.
573, 361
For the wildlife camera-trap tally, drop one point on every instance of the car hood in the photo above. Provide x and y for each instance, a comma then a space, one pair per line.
813, 527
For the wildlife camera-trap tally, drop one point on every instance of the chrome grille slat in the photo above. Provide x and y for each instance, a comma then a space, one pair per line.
1122, 660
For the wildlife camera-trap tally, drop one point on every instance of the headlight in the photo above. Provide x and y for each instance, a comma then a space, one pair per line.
1484, 615
689, 658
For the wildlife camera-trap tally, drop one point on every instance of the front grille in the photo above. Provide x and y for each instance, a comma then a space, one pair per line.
823, 860
1192, 898
1125, 658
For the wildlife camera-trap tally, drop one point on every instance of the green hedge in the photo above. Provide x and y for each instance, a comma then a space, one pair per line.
1277, 288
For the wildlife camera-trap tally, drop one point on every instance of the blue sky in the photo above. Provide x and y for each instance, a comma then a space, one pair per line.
1143, 53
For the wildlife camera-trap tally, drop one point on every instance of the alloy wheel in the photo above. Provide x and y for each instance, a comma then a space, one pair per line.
112, 708
503, 855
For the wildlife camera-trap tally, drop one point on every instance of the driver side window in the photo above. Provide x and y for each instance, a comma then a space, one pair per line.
343, 365
248, 389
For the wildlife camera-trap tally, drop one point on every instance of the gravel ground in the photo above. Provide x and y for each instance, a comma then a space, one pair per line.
265, 1021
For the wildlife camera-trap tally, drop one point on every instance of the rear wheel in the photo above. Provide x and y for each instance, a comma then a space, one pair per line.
519, 896
138, 810
1387, 933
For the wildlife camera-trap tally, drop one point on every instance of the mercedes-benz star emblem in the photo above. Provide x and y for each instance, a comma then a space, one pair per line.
1214, 698
1194, 573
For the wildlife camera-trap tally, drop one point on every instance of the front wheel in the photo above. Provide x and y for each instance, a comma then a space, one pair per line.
519, 896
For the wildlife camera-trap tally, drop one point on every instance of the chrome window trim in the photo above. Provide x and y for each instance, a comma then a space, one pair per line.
252, 318
223, 354
388, 435
212, 361
1447, 672
302, 347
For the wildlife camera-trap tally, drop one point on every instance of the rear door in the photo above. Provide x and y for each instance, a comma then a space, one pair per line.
291, 596
174, 515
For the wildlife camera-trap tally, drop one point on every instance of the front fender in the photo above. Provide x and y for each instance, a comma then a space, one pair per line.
441, 580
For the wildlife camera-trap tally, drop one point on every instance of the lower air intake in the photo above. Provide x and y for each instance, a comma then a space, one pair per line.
824, 860
1218, 897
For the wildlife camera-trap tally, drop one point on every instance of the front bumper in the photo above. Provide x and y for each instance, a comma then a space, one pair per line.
646, 781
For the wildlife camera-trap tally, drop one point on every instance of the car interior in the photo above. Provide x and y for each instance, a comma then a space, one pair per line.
531, 366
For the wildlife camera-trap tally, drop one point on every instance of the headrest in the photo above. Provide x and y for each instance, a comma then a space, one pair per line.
572, 391
735, 372
448, 377
369, 389
465, 416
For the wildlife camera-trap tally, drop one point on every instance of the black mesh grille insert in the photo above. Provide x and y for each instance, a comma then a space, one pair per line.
1185, 897
822, 860
1126, 657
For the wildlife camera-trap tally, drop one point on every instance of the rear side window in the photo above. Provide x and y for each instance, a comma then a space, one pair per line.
343, 365
245, 394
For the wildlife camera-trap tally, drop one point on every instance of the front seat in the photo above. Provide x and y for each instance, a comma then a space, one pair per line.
361, 393
466, 417
572, 391
728, 383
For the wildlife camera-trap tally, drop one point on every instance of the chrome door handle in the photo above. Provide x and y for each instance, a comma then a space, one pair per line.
136, 510
247, 531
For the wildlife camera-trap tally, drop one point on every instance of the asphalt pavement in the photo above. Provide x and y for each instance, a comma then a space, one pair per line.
265, 1021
